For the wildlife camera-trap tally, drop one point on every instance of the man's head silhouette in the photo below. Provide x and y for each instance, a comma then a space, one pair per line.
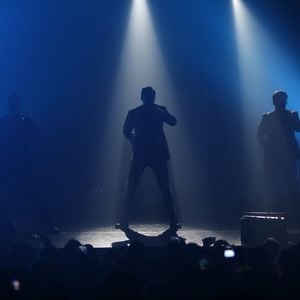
280, 99
148, 95
14, 104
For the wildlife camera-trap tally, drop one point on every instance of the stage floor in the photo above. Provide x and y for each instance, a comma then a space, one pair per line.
103, 237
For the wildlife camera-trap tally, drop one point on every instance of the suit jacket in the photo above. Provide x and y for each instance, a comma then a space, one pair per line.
276, 133
144, 128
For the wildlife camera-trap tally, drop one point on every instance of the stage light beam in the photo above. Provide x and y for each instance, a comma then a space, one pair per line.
141, 65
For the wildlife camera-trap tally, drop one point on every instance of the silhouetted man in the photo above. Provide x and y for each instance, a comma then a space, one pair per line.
276, 134
16, 133
143, 127
16, 158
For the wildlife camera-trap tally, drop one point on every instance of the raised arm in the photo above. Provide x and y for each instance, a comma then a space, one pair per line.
168, 118
128, 127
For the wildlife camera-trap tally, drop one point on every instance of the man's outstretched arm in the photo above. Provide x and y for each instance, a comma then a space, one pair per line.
128, 127
168, 118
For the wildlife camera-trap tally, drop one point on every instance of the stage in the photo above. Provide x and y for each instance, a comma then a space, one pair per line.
152, 234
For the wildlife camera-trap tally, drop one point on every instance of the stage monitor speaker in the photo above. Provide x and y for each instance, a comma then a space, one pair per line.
258, 226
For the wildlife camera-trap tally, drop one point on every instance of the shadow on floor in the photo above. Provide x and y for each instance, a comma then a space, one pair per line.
161, 240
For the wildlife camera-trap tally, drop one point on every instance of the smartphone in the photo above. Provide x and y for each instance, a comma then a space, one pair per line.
15, 284
229, 253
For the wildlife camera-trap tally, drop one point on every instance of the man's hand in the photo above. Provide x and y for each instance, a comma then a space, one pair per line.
162, 109
168, 118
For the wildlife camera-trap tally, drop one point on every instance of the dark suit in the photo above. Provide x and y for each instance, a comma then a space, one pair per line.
16, 159
17, 162
276, 133
144, 128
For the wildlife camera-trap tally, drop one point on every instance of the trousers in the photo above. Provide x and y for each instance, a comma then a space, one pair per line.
160, 169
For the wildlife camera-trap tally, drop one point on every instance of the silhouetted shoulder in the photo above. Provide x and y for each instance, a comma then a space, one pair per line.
135, 110
295, 115
268, 114
161, 107
293, 112
284, 112
264, 116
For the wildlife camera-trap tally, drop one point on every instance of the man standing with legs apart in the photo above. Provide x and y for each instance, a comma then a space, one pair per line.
143, 127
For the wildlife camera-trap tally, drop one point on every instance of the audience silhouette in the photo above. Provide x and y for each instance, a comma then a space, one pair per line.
177, 270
